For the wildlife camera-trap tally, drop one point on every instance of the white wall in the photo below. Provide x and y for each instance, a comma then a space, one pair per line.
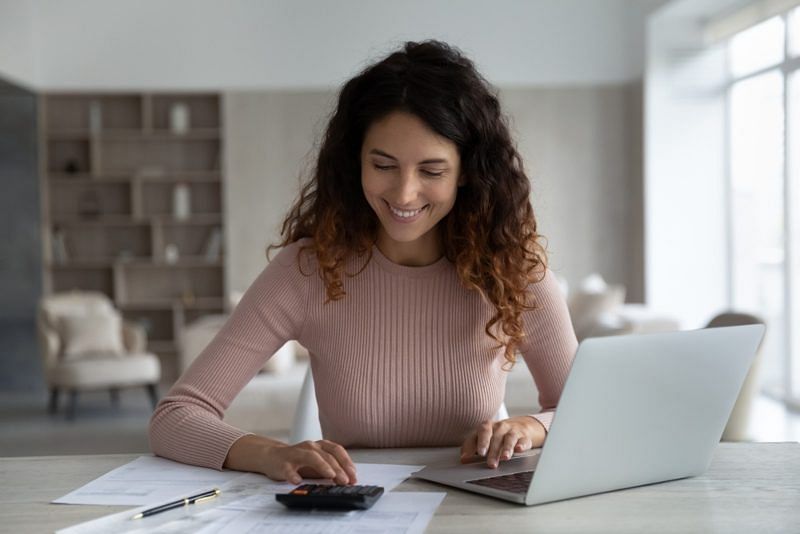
248, 44
18, 57
269, 143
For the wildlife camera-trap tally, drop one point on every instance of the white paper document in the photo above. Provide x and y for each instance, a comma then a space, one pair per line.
247, 501
394, 513
153, 480
148, 480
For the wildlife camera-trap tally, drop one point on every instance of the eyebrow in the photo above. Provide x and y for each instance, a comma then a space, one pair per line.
384, 154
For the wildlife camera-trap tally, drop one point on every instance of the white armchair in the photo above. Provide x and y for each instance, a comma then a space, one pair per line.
85, 345
598, 309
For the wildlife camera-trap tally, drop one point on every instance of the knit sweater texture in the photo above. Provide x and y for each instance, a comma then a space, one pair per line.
403, 360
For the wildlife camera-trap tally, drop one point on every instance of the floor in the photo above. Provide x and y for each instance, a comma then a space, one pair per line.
26, 429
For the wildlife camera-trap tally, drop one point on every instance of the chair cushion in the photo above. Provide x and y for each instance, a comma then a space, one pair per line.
73, 303
94, 335
129, 370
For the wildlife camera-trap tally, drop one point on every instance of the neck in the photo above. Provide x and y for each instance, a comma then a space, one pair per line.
425, 250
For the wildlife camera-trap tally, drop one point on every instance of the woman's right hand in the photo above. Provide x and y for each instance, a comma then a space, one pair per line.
308, 459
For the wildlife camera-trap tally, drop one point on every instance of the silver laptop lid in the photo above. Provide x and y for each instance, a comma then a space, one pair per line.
641, 409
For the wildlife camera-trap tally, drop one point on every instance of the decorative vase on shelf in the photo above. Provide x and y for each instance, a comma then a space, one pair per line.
171, 254
179, 118
181, 201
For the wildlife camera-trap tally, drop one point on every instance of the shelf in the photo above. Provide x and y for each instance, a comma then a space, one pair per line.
134, 135
161, 346
110, 163
183, 263
116, 177
198, 219
99, 263
103, 221
166, 135
202, 303
141, 263
196, 178
127, 220
84, 180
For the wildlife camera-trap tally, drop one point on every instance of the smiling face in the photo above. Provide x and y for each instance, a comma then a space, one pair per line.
410, 177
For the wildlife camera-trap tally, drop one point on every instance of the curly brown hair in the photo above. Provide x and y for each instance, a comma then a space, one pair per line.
490, 234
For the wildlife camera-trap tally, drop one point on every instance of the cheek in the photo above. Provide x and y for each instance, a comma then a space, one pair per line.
445, 196
368, 184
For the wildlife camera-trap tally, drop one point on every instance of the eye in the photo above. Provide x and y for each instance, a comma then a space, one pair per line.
383, 167
433, 174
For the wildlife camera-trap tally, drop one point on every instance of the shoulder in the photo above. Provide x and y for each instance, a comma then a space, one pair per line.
547, 288
299, 255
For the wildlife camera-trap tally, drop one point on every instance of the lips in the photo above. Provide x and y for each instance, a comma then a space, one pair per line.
406, 216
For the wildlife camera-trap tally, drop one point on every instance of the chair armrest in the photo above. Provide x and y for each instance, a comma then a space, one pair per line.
134, 337
49, 345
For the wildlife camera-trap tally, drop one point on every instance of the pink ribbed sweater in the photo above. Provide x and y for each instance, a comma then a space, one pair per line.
401, 361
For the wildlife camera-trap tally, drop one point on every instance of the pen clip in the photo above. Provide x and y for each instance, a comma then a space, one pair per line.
201, 499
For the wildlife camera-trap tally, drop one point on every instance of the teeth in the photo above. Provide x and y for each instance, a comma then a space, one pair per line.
405, 213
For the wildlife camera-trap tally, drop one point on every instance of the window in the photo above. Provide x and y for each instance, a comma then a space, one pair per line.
764, 190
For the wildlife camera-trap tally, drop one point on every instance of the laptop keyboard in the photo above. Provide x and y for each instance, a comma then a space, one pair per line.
515, 482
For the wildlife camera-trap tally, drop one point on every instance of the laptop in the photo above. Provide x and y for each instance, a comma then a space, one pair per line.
635, 410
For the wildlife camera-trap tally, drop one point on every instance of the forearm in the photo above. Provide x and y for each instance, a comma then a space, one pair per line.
249, 453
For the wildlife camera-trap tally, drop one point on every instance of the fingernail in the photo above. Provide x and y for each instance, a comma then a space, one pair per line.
482, 451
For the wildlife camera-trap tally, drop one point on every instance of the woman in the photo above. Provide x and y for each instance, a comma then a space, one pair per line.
411, 270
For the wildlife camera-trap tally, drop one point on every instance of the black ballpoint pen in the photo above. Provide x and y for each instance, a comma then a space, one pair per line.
179, 503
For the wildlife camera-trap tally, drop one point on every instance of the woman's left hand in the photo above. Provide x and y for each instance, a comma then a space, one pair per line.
498, 440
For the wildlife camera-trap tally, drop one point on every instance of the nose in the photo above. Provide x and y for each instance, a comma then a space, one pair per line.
407, 189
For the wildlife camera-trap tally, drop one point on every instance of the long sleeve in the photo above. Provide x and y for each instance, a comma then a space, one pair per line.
549, 345
187, 424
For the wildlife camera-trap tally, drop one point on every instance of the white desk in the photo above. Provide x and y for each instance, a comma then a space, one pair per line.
750, 487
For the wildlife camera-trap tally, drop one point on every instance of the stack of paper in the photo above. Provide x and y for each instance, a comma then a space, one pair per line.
246, 504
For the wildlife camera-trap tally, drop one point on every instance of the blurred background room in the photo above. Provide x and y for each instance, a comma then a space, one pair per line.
149, 151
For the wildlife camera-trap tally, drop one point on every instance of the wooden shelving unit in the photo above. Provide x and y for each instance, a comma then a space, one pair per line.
110, 164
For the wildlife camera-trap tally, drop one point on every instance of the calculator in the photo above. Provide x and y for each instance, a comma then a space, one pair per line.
331, 497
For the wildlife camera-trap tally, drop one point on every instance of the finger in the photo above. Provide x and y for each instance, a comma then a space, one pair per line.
493, 454
509, 442
312, 464
341, 477
470, 447
484, 437
342, 457
523, 444
289, 473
